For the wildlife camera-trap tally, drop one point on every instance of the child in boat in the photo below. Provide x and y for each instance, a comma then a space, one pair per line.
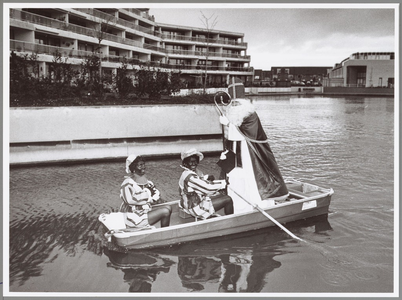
200, 197
138, 194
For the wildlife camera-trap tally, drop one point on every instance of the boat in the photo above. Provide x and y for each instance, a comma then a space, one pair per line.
305, 200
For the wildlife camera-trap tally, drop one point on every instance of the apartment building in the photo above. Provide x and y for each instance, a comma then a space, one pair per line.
117, 34
363, 69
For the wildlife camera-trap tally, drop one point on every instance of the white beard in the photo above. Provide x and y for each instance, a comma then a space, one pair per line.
238, 110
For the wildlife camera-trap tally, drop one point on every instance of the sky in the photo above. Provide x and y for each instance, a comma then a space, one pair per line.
294, 35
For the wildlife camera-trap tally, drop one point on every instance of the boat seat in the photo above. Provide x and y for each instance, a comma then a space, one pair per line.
304, 195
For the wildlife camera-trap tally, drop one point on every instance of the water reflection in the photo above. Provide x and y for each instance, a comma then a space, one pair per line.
226, 263
140, 269
236, 268
195, 271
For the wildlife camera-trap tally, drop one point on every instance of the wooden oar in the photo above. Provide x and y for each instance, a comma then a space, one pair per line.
268, 216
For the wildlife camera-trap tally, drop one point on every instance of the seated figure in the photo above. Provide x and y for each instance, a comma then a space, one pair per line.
138, 194
201, 197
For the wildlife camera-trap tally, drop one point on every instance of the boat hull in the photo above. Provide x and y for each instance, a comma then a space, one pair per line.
300, 205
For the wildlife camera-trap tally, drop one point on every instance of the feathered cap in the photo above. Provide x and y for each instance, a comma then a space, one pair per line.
129, 161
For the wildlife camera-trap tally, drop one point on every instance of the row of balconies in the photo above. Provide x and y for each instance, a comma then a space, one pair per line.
61, 25
128, 24
202, 40
22, 47
114, 20
206, 53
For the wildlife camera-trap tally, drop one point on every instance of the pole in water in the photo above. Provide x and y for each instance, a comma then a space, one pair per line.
268, 216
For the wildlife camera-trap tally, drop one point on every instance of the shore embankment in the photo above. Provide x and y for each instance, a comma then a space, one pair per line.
301, 90
63, 134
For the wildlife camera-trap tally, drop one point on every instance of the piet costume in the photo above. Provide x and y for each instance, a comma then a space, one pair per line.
250, 164
137, 194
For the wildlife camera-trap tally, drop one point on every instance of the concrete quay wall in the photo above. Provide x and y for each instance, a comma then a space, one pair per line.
38, 135
359, 91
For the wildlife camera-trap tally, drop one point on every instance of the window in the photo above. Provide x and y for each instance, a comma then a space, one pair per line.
278, 71
200, 50
286, 71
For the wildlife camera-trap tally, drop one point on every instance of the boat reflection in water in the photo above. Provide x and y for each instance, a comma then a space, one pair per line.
222, 262
140, 269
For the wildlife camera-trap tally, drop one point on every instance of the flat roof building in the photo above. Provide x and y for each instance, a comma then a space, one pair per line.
116, 33
363, 69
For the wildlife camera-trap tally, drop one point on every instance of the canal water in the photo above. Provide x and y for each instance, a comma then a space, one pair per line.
346, 143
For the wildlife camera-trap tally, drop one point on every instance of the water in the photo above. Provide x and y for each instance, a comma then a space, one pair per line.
345, 143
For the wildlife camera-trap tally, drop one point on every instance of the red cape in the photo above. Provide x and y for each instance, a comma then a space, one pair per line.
269, 180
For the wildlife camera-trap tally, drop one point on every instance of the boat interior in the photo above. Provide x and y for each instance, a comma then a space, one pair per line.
297, 190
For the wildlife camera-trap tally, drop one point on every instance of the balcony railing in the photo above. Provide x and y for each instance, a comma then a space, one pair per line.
204, 53
202, 40
114, 20
52, 23
20, 46
140, 13
25, 47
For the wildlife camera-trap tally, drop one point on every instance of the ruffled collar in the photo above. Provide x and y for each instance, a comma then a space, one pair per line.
138, 179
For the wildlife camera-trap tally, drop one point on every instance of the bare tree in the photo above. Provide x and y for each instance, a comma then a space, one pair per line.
101, 28
209, 24
100, 35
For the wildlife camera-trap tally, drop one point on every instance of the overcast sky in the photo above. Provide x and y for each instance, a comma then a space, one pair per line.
289, 36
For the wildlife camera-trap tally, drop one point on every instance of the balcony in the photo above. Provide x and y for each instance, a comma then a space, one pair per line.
64, 26
25, 47
140, 13
202, 40
19, 46
114, 20
204, 53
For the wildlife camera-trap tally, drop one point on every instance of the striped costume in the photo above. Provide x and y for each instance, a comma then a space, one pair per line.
195, 194
137, 199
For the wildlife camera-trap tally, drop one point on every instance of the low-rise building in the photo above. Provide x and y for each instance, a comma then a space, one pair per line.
287, 76
363, 69
262, 77
300, 75
114, 34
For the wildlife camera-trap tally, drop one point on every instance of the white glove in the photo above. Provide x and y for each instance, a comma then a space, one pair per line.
147, 207
223, 155
222, 183
223, 120
156, 195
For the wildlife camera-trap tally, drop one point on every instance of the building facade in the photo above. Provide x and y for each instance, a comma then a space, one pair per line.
131, 34
262, 77
300, 75
363, 69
